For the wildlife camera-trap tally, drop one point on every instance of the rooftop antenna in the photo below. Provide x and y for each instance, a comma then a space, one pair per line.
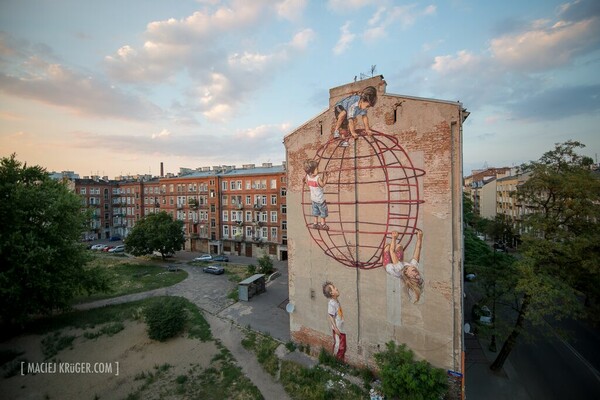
365, 76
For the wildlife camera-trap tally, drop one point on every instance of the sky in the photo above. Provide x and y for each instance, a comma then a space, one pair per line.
115, 87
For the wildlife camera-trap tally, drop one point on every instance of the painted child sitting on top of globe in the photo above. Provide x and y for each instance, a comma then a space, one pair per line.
347, 111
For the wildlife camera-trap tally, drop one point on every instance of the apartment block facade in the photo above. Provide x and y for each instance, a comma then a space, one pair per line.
224, 209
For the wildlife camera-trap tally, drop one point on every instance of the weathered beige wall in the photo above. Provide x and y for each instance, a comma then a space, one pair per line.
376, 306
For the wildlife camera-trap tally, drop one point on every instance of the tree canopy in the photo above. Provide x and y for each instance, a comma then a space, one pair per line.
42, 262
560, 252
155, 232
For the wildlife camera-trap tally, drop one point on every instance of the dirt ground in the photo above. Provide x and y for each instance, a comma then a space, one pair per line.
130, 350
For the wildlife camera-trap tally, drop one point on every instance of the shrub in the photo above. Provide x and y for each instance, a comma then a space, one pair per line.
403, 377
251, 269
166, 318
265, 264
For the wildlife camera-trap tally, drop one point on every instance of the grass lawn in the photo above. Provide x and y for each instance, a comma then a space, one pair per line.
131, 275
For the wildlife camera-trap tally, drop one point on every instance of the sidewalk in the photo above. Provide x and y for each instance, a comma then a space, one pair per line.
483, 383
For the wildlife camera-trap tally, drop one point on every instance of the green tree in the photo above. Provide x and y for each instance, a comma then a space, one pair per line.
155, 232
265, 264
561, 243
42, 262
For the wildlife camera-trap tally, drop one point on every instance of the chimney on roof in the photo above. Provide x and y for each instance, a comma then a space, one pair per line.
162, 169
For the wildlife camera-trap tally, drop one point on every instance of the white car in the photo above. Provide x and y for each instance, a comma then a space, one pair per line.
99, 247
204, 257
117, 249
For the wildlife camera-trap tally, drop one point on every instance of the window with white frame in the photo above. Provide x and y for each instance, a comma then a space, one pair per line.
273, 199
263, 216
248, 184
248, 216
273, 234
248, 231
225, 199
224, 185
263, 200
284, 209
83, 191
226, 231
225, 215
274, 216
265, 232
273, 183
232, 185
284, 224
248, 200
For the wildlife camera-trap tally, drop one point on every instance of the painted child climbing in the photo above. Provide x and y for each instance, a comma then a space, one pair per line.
347, 111
408, 272
316, 182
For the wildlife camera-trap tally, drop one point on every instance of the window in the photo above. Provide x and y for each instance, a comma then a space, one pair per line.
248, 184
263, 184
212, 208
248, 216
248, 231
273, 234
263, 216
225, 199
264, 200
213, 223
274, 216
248, 200
284, 209
224, 185
226, 231
283, 192
171, 188
273, 183
232, 185
273, 199
284, 225
83, 191
225, 215
238, 185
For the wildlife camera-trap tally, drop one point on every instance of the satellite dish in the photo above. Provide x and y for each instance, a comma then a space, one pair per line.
290, 308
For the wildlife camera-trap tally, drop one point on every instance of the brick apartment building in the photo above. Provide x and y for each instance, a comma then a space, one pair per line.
224, 209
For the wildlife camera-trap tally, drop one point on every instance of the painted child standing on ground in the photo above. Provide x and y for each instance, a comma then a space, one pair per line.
408, 272
348, 109
336, 320
316, 182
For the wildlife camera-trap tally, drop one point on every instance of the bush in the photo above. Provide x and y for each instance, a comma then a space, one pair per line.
403, 377
251, 269
265, 264
165, 319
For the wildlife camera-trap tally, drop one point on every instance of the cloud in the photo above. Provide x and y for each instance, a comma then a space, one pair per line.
344, 5
547, 47
263, 140
346, 38
291, 9
57, 85
557, 103
165, 133
520, 71
221, 80
404, 16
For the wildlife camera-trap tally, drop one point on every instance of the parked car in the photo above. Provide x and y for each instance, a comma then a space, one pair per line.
470, 277
99, 247
214, 269
107, 248
117, 249
221, 257
204, 257
157, 254
114, 239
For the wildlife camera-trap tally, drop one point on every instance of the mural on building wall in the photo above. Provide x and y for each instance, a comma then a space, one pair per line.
335, 316
372, 189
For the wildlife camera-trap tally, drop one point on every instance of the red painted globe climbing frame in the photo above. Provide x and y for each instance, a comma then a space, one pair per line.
372, 190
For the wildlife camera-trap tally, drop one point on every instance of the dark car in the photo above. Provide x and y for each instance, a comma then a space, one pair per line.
114, 238
222, 258
214, 269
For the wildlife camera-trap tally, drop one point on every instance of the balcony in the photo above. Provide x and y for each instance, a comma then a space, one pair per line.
258, 206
